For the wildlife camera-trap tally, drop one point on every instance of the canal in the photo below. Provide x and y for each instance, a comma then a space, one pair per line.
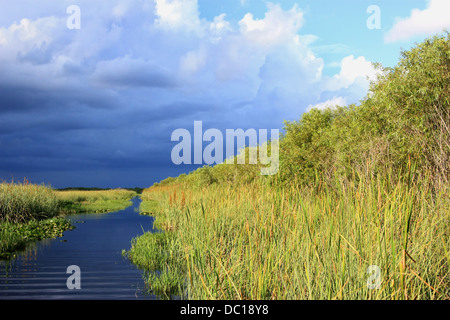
95, 247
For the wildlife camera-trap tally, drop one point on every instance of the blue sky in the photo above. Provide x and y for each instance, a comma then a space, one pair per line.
340, 26
95, 105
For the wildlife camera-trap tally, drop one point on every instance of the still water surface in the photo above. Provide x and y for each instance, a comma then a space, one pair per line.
95, 246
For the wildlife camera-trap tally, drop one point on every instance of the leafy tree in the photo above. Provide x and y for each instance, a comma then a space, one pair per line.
410, 107
404, 119
306, 146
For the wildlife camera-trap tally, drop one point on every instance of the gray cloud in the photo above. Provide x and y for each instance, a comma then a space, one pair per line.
103, 101
126, 72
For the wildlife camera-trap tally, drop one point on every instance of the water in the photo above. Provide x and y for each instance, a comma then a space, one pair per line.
95, 246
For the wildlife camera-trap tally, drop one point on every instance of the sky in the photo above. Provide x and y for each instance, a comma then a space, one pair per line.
91, 91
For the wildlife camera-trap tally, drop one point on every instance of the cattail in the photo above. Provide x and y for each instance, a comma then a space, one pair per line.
183, 200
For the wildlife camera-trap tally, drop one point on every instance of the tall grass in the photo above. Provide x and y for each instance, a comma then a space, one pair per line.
21, 202
261, 241
28, 213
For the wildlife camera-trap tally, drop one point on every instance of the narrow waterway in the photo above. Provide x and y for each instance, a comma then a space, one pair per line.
95, 246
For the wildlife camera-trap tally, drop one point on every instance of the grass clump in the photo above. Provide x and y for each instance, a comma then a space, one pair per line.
156, 254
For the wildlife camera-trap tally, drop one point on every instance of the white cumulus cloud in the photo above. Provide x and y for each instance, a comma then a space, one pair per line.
278, 26
160, 53
431, 20
354, 69
177, 14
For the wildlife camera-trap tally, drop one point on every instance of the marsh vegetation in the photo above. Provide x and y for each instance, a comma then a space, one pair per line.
357, 186
29, 212
94, 201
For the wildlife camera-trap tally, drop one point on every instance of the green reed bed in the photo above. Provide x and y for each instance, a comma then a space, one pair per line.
158, 254
24, 201
28, 213
259, 241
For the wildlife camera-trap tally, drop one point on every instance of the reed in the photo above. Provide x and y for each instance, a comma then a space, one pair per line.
21, 202
28, 213
263, 241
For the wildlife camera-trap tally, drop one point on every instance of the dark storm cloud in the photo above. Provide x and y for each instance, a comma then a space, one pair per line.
99, 104
126, 72
21, 99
